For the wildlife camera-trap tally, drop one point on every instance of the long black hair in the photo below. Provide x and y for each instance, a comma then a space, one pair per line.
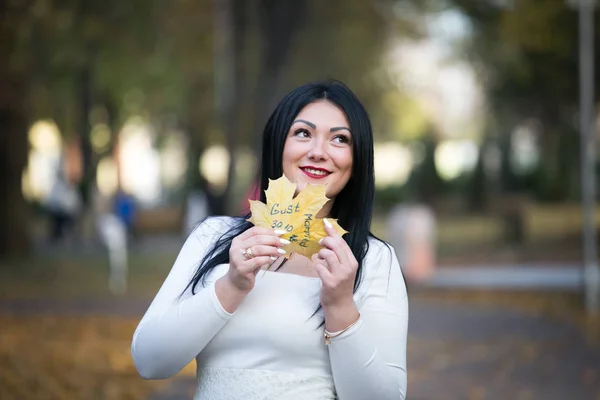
352, 206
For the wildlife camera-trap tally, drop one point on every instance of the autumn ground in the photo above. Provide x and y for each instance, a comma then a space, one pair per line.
64, 336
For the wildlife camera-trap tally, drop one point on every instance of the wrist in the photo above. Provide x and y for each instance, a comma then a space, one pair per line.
340, 316
229, 295
340, 307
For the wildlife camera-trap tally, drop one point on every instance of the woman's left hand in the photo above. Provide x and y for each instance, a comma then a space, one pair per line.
336, 266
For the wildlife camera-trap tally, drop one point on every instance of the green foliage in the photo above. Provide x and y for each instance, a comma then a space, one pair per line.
403, 117
348, 40
160, 59
527, 57
387, 198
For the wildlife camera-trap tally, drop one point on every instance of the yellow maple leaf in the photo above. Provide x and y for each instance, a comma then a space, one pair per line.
297, 216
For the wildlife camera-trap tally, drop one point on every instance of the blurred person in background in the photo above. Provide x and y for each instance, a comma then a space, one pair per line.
124, 208
253, 193
114, 216
63, 205
333, 326
411, 229
196, 210
199, 205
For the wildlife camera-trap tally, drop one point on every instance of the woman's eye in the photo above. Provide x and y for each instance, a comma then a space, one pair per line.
341, 139
302, 133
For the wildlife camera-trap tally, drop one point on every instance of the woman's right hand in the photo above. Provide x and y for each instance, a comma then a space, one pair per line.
249, 252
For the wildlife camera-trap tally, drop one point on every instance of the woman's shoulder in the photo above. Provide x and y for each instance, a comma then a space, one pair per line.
215, 226
380, 257
380, 270
378, 248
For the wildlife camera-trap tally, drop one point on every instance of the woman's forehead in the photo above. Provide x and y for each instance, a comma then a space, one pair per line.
323, 113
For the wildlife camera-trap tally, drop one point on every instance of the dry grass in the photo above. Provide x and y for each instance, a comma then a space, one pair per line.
47, 357
79, 277
50, 356
67, 355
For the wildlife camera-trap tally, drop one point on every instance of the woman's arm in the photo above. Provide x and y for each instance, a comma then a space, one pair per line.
368, 361
173, 331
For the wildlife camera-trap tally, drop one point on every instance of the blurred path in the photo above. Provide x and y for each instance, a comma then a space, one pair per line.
530, 275
524, 276
456, 350
146, 244
459, 352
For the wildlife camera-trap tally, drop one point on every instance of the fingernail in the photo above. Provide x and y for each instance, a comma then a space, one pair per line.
273, 258
281, 251
320, 241
327, 223
285, 241
279, 231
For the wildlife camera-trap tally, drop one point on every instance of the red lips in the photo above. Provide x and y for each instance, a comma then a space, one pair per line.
313, 175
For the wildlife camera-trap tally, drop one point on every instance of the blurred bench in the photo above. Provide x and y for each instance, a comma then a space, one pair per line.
159, 220
546, 221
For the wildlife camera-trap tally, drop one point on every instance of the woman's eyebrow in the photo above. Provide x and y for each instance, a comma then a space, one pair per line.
339, 128
306, 122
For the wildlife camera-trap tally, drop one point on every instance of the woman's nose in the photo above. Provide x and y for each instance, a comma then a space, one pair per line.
318, 150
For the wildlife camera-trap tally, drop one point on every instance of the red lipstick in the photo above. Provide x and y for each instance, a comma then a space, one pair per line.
309, 171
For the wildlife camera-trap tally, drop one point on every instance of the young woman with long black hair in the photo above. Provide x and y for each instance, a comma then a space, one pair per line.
333, 326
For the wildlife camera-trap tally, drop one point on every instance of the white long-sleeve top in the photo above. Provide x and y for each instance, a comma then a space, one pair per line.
272, 346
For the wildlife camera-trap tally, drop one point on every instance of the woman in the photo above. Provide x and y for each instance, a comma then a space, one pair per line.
330, 327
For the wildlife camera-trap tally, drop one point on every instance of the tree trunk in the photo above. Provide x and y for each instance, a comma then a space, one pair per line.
428, 182
477, 192
279, 22
225, 87
84, 96
14, 212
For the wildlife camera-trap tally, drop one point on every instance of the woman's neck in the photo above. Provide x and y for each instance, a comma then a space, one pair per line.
326, 210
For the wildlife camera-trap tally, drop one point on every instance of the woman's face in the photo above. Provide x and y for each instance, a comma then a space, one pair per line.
318, 148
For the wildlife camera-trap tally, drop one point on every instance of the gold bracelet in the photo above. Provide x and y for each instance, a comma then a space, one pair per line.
328, 336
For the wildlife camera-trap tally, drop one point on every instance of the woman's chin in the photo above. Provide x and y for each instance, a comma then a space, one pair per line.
299, 187
301, 183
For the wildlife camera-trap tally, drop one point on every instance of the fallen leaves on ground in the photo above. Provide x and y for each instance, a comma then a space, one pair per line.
46, 357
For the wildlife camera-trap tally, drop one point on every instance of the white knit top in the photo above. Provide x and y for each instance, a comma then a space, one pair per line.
272, 347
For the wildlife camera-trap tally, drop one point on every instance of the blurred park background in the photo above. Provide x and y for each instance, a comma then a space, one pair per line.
123, 123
